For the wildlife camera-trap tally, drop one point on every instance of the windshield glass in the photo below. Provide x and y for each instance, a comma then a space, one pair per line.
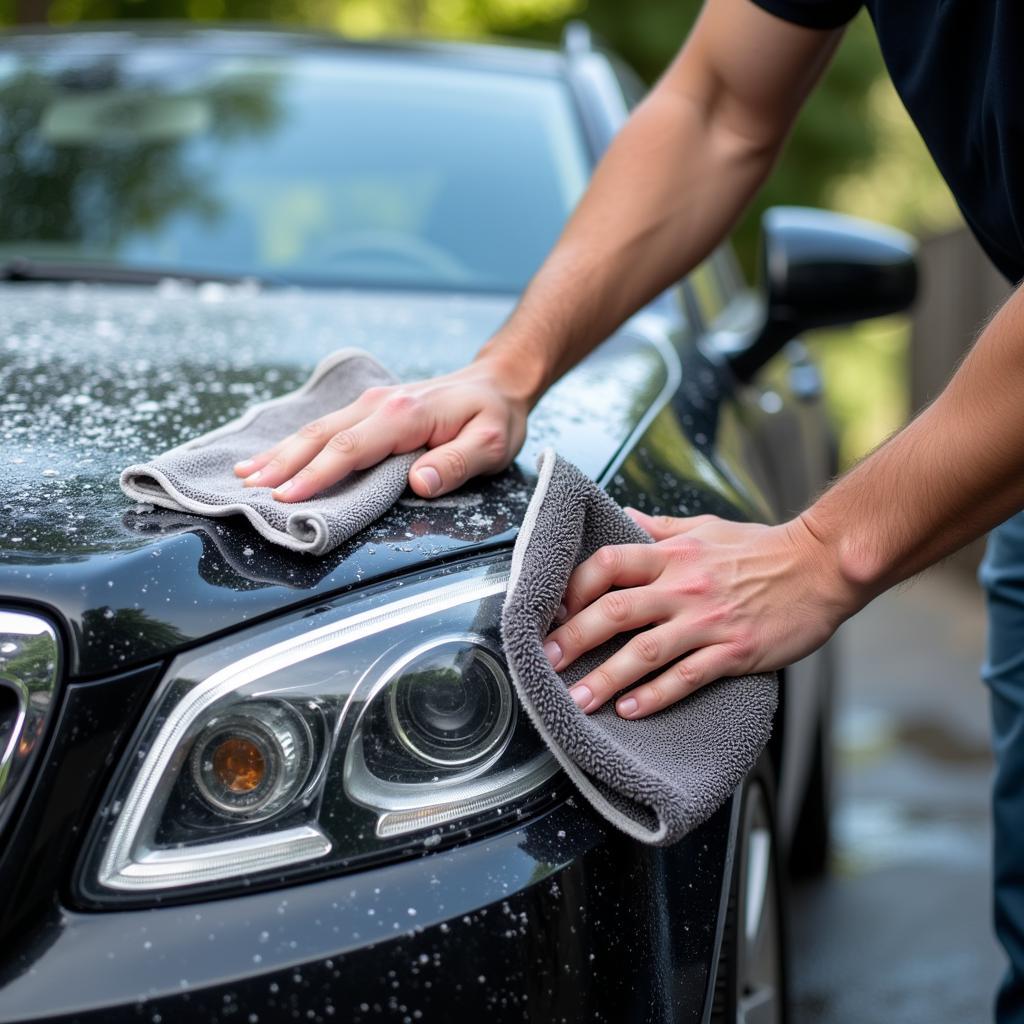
321, 168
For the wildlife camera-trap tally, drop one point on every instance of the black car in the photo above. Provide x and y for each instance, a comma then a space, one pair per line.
238, 783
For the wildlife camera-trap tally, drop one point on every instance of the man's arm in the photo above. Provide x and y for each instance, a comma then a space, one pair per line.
667, 191
740, 597
956, 471
673, 183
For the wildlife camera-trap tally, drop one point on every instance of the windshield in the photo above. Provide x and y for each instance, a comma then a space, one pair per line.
322, 168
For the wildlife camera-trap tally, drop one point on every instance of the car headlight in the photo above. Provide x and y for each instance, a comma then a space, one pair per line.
383, 722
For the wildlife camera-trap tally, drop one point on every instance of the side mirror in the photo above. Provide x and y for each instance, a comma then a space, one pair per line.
822, 269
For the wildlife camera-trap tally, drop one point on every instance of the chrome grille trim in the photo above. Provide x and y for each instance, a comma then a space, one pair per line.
29, 670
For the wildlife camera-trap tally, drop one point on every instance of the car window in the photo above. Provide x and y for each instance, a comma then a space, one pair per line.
369, 169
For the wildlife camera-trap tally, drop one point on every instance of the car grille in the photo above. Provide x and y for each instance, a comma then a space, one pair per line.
29, 670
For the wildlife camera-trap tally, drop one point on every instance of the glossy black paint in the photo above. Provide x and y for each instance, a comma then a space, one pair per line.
648, 917
559, 917
556, 919
132, 586
824, 269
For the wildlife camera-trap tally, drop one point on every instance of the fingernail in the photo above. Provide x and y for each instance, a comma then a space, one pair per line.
244, 464
562, 614
430, 479
582, 695
254, 477
286, 486
553, 652
627, 706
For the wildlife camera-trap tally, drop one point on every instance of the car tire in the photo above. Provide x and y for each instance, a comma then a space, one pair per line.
751, 982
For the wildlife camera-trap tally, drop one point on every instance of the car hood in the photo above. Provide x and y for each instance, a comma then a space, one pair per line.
94, 378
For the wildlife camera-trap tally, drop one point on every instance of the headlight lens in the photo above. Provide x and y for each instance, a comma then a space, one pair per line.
250, 764
383, 722
451, 706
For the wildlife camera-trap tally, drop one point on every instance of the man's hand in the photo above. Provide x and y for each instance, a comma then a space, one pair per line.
701, 142
473, 421
734, 598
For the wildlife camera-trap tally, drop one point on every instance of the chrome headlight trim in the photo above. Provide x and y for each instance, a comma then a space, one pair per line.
168, 869
129, 863
410, 815
400, 806
20, 692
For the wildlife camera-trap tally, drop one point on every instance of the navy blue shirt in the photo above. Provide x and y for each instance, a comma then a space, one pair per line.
958, 66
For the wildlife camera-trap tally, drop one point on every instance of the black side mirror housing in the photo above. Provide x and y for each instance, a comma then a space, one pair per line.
823, 269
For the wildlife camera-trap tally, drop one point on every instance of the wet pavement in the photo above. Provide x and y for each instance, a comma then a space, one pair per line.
900, 931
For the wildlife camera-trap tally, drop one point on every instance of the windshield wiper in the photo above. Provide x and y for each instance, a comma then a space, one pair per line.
22, 269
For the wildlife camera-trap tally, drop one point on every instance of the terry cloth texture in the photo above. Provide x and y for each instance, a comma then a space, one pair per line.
655, 778
198, 476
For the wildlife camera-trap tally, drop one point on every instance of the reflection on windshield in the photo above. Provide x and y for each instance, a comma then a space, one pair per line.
87, 170
350, 169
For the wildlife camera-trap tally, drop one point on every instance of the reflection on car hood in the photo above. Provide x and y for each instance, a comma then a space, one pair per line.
93, 378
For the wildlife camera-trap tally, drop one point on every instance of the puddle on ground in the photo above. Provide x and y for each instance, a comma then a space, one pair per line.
932, 739
874, 831
865, 733
869, 834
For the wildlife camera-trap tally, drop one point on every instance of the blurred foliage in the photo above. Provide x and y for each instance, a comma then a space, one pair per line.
865, 368
853, 147
900, 185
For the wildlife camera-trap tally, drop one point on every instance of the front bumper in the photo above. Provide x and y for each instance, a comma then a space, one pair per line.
559, 920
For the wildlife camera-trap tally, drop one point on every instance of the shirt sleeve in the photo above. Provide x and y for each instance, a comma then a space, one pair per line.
812, 13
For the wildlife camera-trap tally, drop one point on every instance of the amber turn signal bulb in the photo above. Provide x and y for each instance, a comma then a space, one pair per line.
238, 764
251, 761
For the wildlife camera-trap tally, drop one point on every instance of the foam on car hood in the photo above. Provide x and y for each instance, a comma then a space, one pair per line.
94, 377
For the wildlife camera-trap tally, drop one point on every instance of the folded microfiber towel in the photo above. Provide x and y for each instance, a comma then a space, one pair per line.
198, 476
655, 778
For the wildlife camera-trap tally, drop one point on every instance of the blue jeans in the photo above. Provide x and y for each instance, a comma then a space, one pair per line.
1002, 576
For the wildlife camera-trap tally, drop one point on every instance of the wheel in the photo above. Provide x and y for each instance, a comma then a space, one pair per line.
750, 987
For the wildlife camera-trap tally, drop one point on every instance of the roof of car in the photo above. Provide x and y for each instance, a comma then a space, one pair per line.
502, 54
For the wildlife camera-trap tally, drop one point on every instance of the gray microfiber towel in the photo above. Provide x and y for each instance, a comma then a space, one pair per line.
198, 476
655, 778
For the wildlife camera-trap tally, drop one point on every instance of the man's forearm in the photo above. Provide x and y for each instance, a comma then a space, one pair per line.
954, 472
670, 186
651, 214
